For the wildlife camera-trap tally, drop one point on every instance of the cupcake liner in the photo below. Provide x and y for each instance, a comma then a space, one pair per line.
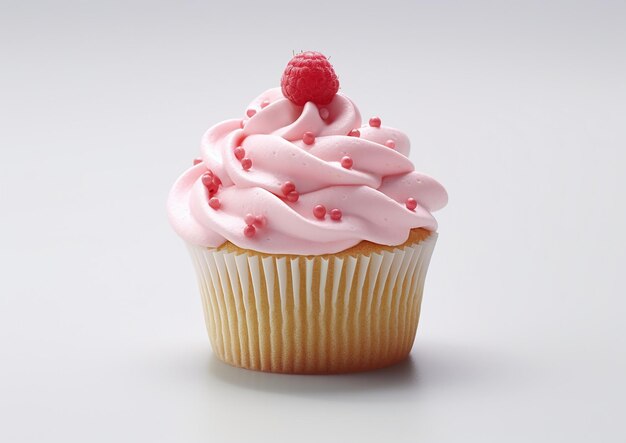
312, 314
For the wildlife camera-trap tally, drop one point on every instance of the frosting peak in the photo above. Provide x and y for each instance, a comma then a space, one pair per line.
367, 178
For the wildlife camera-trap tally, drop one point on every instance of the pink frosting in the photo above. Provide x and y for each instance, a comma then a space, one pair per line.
371, 195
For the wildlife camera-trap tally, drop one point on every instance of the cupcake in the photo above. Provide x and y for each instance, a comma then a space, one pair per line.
311, 232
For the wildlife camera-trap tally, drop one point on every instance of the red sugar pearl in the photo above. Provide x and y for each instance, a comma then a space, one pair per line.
335, 214
249, 219
197, 161
249, 231
287, 187
319, 211
375, 122
207, 179
390, 144
239, 152
250, 112
214, 203
308, 138
411, 204
264, 103
293, 196
246, 163
347, 162
324, 113
260, 221
211, 181
354, 133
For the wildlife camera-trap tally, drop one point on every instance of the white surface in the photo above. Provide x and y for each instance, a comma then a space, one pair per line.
518, 109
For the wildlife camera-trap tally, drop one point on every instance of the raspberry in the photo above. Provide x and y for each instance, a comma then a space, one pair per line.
309, 77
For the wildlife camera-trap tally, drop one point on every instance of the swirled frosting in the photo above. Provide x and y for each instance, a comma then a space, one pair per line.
371, 194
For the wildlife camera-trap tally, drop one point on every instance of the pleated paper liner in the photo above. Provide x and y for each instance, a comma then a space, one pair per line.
352, 311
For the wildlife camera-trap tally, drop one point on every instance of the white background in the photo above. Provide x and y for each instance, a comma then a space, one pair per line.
519, 108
